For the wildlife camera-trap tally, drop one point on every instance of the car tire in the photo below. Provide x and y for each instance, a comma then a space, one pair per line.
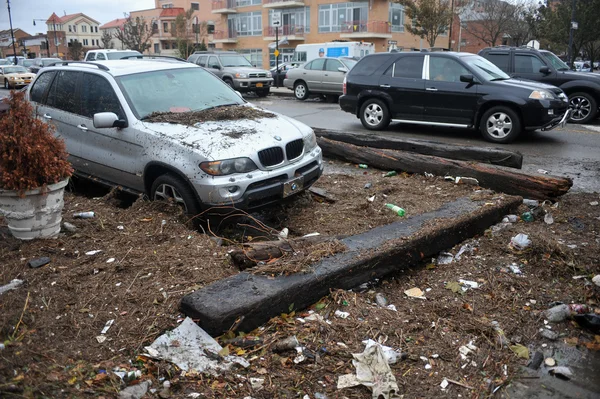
169, 187
301, 90
6, 84
263, 93
584, 107
332, 98
500, 125
374, 114
229, 82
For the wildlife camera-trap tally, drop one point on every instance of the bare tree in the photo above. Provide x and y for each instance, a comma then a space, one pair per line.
135, 34
524, 26
75, 50
430, 18
107, 39
490, 20
186, 31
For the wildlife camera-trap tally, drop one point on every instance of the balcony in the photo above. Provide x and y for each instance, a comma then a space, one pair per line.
290, 32
282, 3
223, 36
224, 7
366, 30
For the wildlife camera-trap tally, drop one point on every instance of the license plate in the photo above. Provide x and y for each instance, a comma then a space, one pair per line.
259, 85
293, 186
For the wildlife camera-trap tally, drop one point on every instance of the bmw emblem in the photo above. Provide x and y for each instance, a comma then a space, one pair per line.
294, 186
277, 138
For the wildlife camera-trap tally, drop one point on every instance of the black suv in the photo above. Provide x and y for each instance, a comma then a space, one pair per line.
449, 89
582, 88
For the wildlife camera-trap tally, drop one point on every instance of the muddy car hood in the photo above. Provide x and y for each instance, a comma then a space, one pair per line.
217, 140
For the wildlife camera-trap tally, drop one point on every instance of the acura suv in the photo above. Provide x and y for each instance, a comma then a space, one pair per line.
449, 89
119, 122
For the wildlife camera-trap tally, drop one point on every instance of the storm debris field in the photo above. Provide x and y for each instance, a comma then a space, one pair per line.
133, 265
224, 113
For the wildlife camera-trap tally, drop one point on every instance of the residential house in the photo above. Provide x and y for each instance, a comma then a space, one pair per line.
63, 31
112, 28
6, 42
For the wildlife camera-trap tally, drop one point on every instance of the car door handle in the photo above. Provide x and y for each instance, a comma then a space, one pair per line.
431, 89
82, 127
47, 116
385, 86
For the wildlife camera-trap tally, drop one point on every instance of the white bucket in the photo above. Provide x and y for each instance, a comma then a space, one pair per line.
36, 215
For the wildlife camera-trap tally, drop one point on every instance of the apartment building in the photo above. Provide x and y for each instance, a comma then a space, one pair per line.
112, 28
62, 31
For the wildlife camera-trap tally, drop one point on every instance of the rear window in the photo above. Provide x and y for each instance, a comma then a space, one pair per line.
117, 55
368, 65
501, 60
410, 67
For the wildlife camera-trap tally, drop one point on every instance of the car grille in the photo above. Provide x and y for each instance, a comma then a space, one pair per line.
271, 156
294, 149
257, 75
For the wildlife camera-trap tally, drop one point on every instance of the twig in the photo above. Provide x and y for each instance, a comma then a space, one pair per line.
130, 249
136, 276
21, 318
460, 384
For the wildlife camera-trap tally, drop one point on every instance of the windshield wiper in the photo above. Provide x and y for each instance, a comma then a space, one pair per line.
563, 69
495, 79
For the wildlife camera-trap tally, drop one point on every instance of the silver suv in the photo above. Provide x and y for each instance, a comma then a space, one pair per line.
235, 70
107, 114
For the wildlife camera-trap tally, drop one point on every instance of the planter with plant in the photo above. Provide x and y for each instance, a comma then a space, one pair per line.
34, 171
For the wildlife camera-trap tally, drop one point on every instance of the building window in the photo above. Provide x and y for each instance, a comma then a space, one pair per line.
70, 28
84, 28
166, 45
246, 3
74, 28
173, 28
156, 48
253, 55
463, 42
96, 29
167, 6
294, 20
210, 29
166, 27
247, 24
85, 42
285, 56
338, 17
195, 6
93, 42
154, 28
396, 17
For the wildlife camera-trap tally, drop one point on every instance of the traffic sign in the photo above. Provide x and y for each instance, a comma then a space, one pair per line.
276, 20
276, 53
392, 42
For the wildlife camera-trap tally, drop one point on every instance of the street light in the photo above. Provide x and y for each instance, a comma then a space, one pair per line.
54, 29
11, 32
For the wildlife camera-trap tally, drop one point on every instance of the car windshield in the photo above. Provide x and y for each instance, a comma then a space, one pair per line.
349, 62
176, 90
485, 69
235, 61
50, 61
15, 69
556, 62
27, 63
117, 55
5, 62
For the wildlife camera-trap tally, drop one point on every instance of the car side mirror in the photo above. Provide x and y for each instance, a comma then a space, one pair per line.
108, 120
342, 69
215, 66
467, 78
545, 70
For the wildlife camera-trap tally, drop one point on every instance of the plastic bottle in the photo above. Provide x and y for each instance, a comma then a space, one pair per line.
527, 217
363, 166
83, 215
390, 174
396, 209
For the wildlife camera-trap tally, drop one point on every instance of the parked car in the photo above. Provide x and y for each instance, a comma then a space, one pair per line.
235, 70
39, 63
583, 89
14, 76
449, 89
278, 74
319, 76
27, 63
109, 54
5, 62
104, 113
582, 66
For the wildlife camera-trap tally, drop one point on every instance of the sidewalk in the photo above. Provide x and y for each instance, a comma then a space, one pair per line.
281, 91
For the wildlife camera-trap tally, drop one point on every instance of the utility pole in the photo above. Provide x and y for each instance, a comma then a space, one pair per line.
573, 23
451, 23
12, 35
196, 29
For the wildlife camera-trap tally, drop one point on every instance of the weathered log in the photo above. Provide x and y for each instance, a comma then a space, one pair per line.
498, 178
254, 252
494, 156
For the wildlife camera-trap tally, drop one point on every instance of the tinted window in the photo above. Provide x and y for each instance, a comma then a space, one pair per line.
500, 60
213, 62
100, 56
91, 57
62, 91
41, 84
333, 65
445, 69
317, 65
527, 64
202, 60
97, 95
368, 65
407, 67
117, 55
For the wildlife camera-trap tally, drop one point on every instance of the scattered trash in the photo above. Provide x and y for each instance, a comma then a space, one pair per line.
468, 284
531, 203
465, 248
83, 215
527, 217
363, 166
257, 383
520, 351
502, 340
542, 171
414, 293
71, 228
94, 252
444, 384
107, 326
594, 203
550, 362
373, 371
110, 260
465, 350
576, 223
536, 361
283, 345
135, 391
396, 209
381, 300
341, 315
515, 269
520, 242
590, 321
499, 226
549, 334
283, 234
127, 376
300, 358
563, 312
561, 372
38, 262
2, 347
100, 338
319, 395
390, 174
120, 227
189, 347
510, 219
596, 280
427, 174
13, 285
311, 235
467, 180
548, 219
368, 186
195, 395
444, 258
371, 199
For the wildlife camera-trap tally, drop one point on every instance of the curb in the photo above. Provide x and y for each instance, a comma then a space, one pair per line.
251, 300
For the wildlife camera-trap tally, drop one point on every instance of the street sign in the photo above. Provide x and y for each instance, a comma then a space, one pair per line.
276, 53
392, 42
276, 20
574, 25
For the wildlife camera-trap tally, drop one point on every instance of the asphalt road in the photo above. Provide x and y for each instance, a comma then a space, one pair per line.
573, 151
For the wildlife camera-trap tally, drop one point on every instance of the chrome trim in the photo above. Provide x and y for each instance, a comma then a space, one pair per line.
562, 123
432, 123
425, 74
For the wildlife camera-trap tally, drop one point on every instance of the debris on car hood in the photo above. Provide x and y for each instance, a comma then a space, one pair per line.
223, 113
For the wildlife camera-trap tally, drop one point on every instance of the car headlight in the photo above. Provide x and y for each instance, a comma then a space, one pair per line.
12, 78
241, 75
541, 95
310, 141
228, 166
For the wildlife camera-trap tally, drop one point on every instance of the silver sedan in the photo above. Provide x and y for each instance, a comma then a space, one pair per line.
323, 75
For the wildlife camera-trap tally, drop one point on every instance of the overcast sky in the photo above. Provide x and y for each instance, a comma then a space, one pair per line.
24, 11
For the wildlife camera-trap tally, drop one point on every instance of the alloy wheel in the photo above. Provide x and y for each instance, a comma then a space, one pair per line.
167, 192
499, 125
373, 114
581, 108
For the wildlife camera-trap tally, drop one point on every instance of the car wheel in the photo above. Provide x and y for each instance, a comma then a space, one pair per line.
262, 93
332, 98
374, 114
229, 82
500, 125
301, 91
6, 85
169, 187
584, 107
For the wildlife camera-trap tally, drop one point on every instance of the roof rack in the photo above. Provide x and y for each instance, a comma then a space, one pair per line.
142, 56
100, 66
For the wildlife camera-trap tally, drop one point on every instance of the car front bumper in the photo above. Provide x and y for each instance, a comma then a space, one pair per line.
545, 114
252, 84
259, 188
